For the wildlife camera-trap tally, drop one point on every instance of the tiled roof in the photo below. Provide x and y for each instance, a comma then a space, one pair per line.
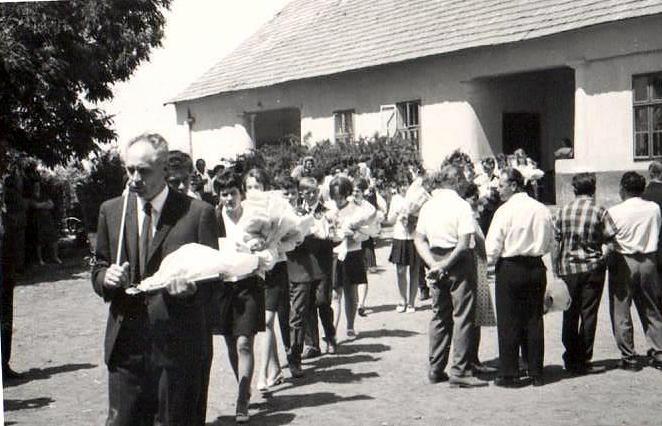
311, 38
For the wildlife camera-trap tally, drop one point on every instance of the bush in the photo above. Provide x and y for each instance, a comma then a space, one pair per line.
103, 181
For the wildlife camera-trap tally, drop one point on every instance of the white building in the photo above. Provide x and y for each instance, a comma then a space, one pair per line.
485, 76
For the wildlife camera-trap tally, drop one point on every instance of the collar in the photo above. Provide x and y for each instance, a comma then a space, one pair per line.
518, 196
443, 192
157, 202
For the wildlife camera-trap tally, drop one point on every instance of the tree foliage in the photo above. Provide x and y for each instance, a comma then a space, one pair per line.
57, 59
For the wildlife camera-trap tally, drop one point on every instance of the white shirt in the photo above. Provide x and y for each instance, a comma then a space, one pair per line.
157, 207
522, 226
233, 230
395, 211
444, 218
638, 225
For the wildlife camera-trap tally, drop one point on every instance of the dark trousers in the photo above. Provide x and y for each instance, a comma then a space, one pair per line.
319, 308
142, 392
520, 293
453, 313
635, 278
300, 300
581, 318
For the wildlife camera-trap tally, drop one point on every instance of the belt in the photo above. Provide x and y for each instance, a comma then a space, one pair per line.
441, 250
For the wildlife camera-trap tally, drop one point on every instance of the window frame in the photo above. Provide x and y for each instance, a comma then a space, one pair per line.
404, 127
343, 136
649, 105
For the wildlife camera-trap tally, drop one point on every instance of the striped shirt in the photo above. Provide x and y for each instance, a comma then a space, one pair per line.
581, 228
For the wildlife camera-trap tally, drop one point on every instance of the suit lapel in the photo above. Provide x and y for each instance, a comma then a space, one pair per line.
169, 217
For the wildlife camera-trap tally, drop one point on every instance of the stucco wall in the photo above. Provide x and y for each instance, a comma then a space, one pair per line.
458, 110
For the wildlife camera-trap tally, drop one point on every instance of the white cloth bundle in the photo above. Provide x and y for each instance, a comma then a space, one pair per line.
196, 262
352, 225
270, 217
557, 296
415, 197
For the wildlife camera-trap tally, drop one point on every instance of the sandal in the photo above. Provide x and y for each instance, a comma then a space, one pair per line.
279, 379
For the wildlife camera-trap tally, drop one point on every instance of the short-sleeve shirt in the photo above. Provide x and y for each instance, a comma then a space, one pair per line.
444, 218
580, 229
638, 226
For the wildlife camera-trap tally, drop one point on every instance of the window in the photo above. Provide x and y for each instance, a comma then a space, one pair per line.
647, 95
408, 120
344, 125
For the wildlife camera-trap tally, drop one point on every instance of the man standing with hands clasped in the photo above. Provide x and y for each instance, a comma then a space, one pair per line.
443, 236
156, 342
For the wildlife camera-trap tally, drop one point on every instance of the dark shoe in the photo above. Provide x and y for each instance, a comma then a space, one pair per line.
362, 312
483, 369
425, 294
508, 382
295, 370
467, 382
537, 381
632, 366
656, 363
586, 370
310, 352
9, 374
434, 377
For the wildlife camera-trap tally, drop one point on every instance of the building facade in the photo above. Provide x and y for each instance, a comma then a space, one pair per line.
598, 85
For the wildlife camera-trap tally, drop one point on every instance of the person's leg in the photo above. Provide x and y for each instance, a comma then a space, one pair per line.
40, 257
401, 278
311, 322
245, 361
126, 403
7, 321
55, 251
178, 395
351, 304
337, 306
620, 298
267, 352
362, 296
463, 296
440, 328
233, 356
570, 328
300, 297
535, 332
412, 286
284, 309
508, 329
646, 298
591, 295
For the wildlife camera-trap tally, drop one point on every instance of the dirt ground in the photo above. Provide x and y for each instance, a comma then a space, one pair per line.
377, 379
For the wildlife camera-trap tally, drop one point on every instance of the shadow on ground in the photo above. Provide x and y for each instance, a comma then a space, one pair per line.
73, 268
383, 332
26, 404
46, 373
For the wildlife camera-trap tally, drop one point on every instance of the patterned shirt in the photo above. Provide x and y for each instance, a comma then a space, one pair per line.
581, 228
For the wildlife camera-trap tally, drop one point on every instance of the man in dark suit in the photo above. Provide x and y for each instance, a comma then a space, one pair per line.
156, 342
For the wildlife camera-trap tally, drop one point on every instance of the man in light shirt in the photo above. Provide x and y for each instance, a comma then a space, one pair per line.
443, 234
520, 234
633, 274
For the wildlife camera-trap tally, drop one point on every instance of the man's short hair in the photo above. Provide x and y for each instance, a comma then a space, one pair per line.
488, 161
307, 182
180, 161
286, 183
448, 176
584, 183
226, 181
633, 183
362, 184
514, 176
655, 169
157, 142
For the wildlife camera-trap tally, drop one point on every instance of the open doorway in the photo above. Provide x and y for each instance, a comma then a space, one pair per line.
522, 130
274, 126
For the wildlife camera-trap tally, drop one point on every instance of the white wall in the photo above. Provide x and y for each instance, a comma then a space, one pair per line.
457, 109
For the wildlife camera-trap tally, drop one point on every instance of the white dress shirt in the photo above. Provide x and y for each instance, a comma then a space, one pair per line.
638, 225
444, 218
157, 208
395, 213
522, 226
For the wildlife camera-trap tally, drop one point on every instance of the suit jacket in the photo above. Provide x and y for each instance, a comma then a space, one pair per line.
177, 328
653, 193
312, 259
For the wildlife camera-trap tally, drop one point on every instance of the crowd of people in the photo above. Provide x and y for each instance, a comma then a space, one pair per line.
471, 238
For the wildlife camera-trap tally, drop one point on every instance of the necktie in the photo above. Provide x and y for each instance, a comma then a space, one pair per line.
145, 237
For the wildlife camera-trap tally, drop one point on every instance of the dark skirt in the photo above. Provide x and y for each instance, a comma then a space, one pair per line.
369, 257
351, 271
276, 287
241, 307
403, 252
